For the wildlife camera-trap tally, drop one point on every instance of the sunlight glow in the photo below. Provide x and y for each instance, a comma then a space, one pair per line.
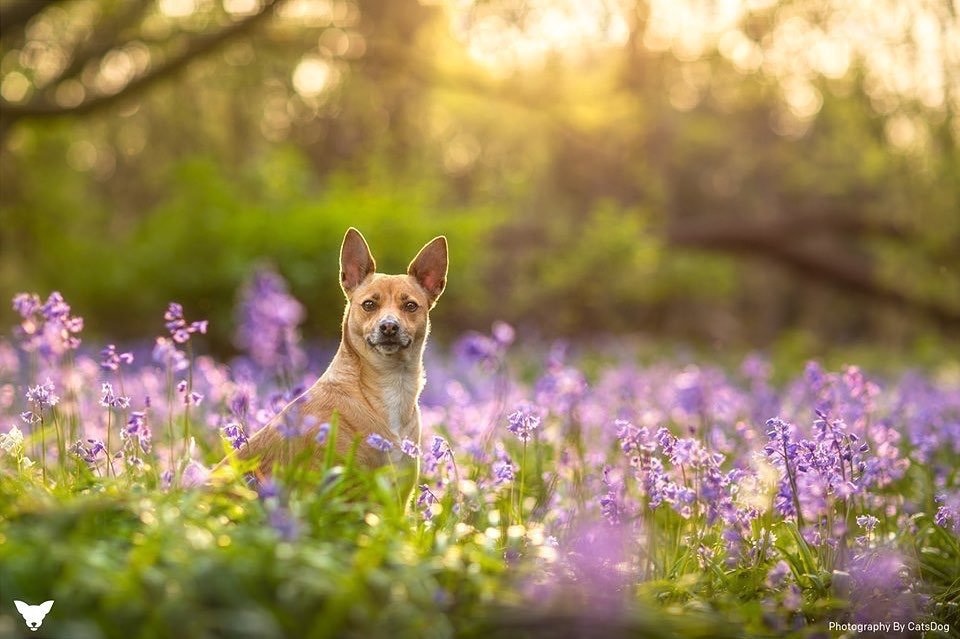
177, 8
312, 76
527, 34
907, 47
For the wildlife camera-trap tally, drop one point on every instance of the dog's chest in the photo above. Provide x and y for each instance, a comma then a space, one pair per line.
399, 395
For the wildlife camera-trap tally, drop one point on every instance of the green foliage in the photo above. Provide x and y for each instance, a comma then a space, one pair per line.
201, 241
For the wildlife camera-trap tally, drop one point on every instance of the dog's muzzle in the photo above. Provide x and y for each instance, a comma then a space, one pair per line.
389, 337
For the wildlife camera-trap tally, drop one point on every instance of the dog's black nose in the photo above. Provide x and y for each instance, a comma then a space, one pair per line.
389, 327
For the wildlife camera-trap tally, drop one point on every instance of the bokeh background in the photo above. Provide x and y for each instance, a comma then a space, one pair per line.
728, 174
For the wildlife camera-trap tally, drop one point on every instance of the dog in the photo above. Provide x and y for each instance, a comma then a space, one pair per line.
33, 615
374, 381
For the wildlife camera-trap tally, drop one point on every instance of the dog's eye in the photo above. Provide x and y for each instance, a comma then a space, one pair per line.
369, 305
410, 307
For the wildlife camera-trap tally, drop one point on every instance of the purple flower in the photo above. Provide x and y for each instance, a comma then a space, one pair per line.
378, 442
426, 500
240, 405
477, 348
504, 471
42, 395
110, 360
409, 449
166, 353
439, 447
46, 328
180, 329
948, 512
867, 522
610, 506
286, 525
323, 432
523, 422
777, 575
195, 474
503, 333
88, 451
268, 323
233, 431
881, 587
108, 399
26, 304
136, 431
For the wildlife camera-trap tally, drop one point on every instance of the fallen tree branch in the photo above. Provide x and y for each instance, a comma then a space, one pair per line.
768, 241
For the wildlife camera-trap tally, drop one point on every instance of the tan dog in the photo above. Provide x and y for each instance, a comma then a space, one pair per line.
374, 381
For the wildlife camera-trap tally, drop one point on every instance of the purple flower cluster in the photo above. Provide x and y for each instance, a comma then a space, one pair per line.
109, 399
268, 323
136, 436
110, 359
817, 473
46, 327
180, 329
89, 451
948, 511
233, 432
631, 472
42, 395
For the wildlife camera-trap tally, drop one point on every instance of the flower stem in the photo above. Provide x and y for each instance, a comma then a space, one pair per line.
43, 448
109, 429
793, 485
523, 472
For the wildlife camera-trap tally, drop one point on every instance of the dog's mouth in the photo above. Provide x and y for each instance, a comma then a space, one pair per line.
389, 345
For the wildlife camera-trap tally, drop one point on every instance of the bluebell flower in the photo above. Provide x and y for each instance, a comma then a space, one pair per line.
378, 442
522, 422
110, 360
323, 432
42, 395
233, 431
409, 449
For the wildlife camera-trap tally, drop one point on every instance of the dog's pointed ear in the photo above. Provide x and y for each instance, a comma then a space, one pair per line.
46, 606
22, 608
356, 262
429, 267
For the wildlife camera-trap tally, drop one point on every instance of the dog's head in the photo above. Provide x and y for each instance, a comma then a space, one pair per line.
33, 615
387, 316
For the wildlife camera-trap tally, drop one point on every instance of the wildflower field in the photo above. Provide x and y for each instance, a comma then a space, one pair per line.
563, 493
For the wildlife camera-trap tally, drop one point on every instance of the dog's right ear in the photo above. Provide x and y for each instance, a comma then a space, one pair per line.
356, 262
22, 608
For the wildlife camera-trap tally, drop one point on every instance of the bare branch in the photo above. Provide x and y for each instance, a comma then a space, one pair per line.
198, 46
105, 39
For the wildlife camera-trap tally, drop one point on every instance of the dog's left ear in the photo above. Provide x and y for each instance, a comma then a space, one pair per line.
429, 267
46, 606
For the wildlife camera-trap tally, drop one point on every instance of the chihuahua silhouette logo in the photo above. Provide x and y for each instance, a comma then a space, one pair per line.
34, 615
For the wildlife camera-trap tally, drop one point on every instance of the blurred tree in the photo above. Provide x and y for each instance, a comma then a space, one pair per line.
602, 168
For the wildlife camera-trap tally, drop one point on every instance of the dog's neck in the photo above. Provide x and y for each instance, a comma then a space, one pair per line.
392, 384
